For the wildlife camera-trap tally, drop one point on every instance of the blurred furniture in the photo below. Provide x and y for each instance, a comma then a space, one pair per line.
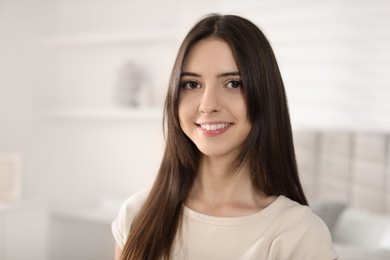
357, 234
23, 230
346, 176
82, 234
347, 166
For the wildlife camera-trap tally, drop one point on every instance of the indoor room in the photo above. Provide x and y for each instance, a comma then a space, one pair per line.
82, 92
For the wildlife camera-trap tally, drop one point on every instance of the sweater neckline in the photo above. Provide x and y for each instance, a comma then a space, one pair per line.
234, 221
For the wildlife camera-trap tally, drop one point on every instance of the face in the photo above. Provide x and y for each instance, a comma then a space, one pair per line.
212, 107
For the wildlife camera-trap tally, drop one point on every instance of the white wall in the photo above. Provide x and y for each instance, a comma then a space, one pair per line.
334, 56
22, 74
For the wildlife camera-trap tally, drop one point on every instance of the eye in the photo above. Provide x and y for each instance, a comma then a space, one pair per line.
190, 85
234, 84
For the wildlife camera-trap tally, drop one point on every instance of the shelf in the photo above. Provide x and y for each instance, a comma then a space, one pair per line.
121, 114
101, 39
22, 204
104, 213
86, 215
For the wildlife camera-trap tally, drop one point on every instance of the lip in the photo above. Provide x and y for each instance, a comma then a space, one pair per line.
214, 132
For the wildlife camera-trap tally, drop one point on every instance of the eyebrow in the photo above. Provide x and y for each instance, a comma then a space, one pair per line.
226, 74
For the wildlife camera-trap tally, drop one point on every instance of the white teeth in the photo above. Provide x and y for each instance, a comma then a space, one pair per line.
213, 127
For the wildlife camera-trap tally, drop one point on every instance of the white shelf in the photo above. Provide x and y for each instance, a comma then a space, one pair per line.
86, 215
21, 204
101, 39
121, 114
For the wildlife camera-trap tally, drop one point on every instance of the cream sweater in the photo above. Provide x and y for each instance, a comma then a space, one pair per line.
283, 230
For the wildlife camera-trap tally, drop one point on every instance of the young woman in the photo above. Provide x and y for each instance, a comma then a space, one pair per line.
228, 185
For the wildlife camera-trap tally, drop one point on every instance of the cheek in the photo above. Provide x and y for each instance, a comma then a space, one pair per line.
240, 107
186, 108
183, 112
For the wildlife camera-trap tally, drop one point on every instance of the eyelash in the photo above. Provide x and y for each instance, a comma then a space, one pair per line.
185, 84
236, 81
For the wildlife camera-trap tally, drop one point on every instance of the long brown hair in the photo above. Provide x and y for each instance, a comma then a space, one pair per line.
269, 148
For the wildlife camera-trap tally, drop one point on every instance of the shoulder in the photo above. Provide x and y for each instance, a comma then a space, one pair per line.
302, 233
293, 212
299, 218
132, 204
128, 211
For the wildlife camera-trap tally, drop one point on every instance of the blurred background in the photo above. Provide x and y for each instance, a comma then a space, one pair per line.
82, 84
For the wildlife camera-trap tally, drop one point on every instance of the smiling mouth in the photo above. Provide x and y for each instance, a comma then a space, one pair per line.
214, 127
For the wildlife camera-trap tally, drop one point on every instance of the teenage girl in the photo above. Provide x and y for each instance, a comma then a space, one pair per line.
228, 185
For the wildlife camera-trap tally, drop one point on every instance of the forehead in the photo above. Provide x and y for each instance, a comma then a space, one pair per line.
210, 55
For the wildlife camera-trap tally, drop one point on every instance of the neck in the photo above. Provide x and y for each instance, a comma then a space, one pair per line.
216, 178
220, 192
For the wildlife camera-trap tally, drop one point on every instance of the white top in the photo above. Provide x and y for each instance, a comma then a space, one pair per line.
283, 230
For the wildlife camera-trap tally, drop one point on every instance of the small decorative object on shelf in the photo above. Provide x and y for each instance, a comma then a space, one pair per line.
132, 88
10, 177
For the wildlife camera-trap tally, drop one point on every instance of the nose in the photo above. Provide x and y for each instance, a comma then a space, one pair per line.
210, 101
